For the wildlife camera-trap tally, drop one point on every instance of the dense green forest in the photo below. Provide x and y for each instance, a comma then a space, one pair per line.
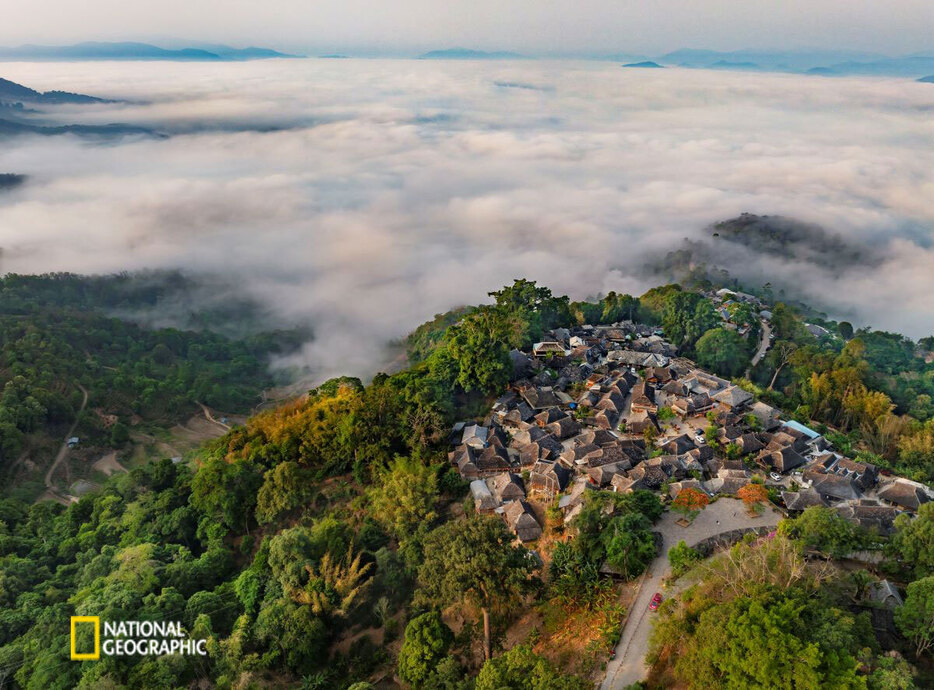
327, 543
58, 334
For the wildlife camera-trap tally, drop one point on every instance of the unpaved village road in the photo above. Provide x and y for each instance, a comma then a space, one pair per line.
63, 451
210, 417
724, 515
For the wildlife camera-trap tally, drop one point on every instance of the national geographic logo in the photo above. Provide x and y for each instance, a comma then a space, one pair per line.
130, 638
84, 621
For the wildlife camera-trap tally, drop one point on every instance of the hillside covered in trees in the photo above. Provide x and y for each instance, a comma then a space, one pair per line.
62, 333
328, 543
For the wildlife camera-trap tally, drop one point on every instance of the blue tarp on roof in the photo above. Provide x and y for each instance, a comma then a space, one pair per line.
797, 426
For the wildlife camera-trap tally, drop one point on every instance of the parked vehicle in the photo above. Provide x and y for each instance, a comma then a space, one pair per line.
656, 600
775, 476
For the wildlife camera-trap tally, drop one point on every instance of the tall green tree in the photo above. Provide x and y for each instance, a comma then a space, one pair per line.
479, 347
682, 557
915, 619
536, 306
652, 303
913, 541
629, 543
686, 316
892, 673
284, 489
823, 529
761, 642
786, 325
616, 307
226, 491
474, 562
723, 351
298, 636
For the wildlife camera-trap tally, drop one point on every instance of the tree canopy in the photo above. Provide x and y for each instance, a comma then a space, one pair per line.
722, 351
824, 530
427, 641
915, 618
752, 621
685, 317
474, 562
913, 541
404, 496
521, 669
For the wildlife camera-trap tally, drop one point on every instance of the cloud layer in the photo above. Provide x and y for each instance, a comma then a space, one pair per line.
364, 196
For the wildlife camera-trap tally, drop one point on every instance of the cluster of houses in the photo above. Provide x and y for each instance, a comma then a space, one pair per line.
615, 408
724, 300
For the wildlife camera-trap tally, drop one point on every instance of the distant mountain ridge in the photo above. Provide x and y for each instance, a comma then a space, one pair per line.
10, 91
17, 119
137, 51
468, 54
790, 60
109, 131
823, 62
815, 62
726, 64
901, 67
11, 180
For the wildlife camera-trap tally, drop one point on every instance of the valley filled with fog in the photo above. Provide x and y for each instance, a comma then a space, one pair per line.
363, 196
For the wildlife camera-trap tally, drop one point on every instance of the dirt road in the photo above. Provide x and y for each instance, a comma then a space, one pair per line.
63, 451
108, 464
210, 417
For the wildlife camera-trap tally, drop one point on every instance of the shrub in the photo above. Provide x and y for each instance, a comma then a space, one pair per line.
427, 641
681, 557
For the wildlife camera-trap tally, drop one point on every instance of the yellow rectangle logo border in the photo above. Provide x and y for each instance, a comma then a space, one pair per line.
89, 656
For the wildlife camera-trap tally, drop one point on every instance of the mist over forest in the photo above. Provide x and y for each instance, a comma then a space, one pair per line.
361, 197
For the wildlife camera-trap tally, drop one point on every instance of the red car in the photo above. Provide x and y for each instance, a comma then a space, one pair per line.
656, 600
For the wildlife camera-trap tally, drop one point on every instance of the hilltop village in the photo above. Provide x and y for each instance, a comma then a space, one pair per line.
614, 407
648, 489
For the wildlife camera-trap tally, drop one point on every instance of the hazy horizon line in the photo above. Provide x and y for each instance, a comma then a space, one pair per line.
417, 50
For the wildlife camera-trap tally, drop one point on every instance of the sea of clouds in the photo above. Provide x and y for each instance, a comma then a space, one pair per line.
364, 196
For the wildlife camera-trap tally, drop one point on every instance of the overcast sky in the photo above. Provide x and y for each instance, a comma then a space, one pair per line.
532, 26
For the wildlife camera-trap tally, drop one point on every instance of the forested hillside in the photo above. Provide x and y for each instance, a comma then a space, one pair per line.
60, 333
328, 543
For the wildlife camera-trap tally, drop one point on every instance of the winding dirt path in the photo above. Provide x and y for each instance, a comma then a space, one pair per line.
63, 451
210, 417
